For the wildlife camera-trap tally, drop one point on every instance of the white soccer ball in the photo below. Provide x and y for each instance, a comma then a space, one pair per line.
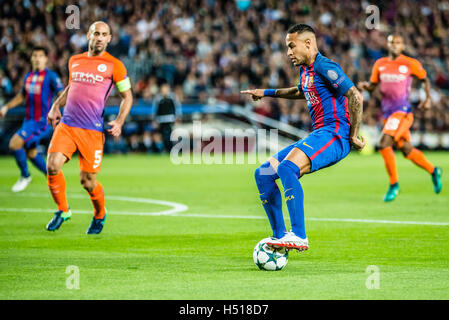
269, 259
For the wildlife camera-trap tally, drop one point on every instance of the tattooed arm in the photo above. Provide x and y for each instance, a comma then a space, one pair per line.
355, 102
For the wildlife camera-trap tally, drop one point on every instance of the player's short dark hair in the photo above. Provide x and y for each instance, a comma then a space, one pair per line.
300, 28
40, 48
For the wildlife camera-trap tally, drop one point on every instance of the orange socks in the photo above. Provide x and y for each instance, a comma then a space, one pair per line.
420, 160
56, 185
390, 164
97, 198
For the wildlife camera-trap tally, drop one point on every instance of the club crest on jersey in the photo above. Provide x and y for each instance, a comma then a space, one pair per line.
101, 67
403, 69
86, 77
310, 81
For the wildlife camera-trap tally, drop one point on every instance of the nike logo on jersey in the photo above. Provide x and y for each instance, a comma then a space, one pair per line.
307, 145
75, 65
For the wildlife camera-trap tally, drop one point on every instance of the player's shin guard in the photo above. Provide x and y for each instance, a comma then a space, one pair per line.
294, 196
21, 159
418, 158
390, 164
271, 198
97, 198
39, 163
56, 184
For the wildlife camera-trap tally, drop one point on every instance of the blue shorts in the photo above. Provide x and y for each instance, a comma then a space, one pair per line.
324, 148
32, 132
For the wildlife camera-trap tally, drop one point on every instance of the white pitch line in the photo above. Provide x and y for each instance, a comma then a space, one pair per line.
221, 216
176, 207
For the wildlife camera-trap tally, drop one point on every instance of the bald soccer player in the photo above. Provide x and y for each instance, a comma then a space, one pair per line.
91, 77
395, 74
335, 106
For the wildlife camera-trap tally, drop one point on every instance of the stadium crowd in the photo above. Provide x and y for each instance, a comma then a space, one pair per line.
215, 48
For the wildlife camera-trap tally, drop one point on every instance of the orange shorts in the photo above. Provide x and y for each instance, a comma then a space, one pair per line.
398, 126
89, 144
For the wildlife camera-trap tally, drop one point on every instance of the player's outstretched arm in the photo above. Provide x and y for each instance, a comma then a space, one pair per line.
125, 107
54, 115
285, 93
16, 101
355, 102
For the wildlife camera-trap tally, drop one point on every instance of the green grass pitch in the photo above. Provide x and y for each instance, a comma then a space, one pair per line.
205, 252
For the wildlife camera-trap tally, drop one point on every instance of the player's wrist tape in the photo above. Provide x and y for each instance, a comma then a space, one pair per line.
123, 85
269, 92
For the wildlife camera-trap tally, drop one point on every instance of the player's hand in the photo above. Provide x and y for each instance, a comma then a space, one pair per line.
54, 116
3, 111
116, 128
256, 94
363, 85
358, 143
425, 105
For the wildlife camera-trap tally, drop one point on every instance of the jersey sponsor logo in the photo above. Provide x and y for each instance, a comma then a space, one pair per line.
289, 198
102, 67
332, 74
388, 77
86, 77
312, 98
33, 88
403, 69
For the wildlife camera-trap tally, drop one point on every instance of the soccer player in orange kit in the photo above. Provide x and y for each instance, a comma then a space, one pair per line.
91, 77
394, 74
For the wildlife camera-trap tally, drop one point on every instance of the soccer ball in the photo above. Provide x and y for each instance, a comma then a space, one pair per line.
269, 259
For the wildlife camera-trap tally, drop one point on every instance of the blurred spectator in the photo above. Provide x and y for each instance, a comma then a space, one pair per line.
166, 110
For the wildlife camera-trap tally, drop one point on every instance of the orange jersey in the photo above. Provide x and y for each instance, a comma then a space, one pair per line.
395, 78
91, 80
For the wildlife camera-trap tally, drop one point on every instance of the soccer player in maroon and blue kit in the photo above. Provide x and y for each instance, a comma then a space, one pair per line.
40, 86
335, 106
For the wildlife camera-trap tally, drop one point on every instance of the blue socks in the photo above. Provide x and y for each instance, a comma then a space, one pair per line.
289, 174
39, 163
21, 159
271, 198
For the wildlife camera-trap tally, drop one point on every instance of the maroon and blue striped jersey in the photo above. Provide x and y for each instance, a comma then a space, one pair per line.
324, 85
39, 88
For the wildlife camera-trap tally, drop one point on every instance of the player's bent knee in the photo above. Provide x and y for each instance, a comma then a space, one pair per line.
15, 143
88, 181
264, 173
287, 168
32, 153
53, 168
386, 142
54, 163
